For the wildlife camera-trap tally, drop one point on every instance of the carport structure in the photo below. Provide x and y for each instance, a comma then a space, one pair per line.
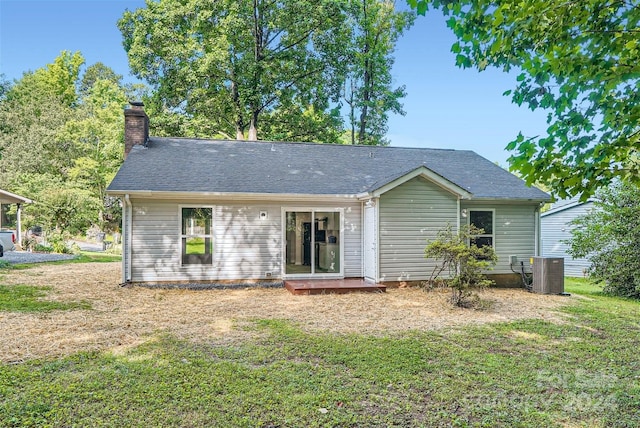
12, 198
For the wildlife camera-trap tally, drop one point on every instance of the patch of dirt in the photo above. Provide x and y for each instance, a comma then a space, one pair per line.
122, 318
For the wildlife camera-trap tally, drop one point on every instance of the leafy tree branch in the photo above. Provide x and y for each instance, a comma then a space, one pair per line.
579, 61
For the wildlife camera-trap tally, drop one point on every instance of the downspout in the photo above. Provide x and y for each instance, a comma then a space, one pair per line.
458, 224
363, 227
537, 230
126, 261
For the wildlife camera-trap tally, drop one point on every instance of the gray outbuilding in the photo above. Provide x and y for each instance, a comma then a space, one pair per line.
556, 231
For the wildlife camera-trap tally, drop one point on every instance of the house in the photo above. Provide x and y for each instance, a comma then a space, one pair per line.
238, 211
8, 198
556, 230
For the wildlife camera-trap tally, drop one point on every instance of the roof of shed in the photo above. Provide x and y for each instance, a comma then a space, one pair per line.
256, 167
567, 204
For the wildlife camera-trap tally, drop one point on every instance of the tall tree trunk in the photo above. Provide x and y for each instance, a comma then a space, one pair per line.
352, 114
366, 98
258, 46
366, 78
239, 122
253, 126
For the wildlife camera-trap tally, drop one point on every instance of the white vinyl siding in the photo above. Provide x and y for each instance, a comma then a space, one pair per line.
555, 228
409, 215
514, 231
245, 246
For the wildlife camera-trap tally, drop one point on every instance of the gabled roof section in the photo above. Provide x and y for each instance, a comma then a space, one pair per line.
12, 198
396, 180
255, 167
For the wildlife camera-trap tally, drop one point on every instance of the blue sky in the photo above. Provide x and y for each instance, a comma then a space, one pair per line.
446, 107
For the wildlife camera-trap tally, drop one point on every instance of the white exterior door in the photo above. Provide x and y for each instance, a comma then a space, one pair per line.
370, 243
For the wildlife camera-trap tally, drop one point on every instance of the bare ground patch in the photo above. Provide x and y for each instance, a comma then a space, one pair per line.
121, 318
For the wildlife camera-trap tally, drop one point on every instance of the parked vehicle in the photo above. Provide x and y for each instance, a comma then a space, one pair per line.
7, 240
34, 231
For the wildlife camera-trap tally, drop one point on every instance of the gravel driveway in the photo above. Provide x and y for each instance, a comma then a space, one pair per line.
17, 257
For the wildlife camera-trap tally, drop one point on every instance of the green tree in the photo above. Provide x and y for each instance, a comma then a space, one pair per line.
293, 122
60, 144
577, 59
67, 209
95, 73
5, 85
58, 205
609, 237
368, 89
229, 64
32, 113
60, 77
98, 134
461, 263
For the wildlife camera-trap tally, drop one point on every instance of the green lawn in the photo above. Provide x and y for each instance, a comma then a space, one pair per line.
24, 298
585, 372
582, 286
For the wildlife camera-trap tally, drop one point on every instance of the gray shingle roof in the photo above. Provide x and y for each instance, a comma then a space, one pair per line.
190, 165
565, 204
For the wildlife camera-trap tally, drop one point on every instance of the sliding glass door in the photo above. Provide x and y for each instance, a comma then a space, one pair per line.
313, 242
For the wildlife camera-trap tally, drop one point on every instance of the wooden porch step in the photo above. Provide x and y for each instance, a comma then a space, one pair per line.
336, 286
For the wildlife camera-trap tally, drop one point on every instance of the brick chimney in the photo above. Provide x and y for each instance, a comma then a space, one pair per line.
136, 126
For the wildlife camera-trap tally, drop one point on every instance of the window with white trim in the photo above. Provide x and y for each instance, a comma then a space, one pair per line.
196, 236
482, 219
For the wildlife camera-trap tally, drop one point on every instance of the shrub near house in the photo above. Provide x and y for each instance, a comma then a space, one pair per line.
609, 237
461, 260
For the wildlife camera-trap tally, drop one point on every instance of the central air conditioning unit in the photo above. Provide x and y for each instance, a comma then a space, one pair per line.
548, 275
